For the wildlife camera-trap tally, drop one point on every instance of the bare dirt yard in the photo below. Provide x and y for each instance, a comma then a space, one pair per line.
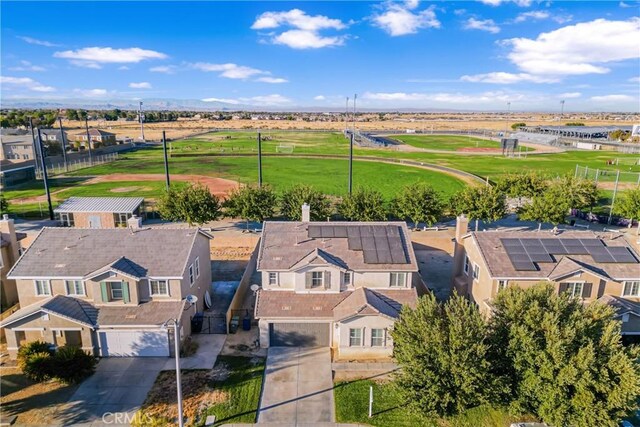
218, 186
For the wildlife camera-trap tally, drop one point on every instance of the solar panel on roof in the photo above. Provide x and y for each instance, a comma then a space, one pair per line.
622, 254
603, 257
314, 231
511, 242
524, 266
380, 230
384, 257
340, 231
398, 257
353, 230
355, 243
393, 230
368, 243
540, 257
536, 249
370, 256
327, 232
592, 242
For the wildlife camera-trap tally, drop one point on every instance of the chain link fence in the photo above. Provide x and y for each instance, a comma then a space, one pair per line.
73, 165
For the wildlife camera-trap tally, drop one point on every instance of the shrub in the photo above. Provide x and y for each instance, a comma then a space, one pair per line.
32, 348
72, 364
188, 347
37, 366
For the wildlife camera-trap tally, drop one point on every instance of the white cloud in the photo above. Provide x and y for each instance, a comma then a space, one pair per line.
625, 5
92, 57
274, 80
482, 24
92, 93
539, 15
27, 66
506, 78
399, 19
223, 100
304, 32
612, 98
320, 98
570, 95
123, 68
140, 85
443, 97
634, 80
268, 100
229, 70
303, 39
26, 83
166, 69
31, 40
521, 3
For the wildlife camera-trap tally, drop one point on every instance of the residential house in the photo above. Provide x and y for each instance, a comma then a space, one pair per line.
99, 212
335, 284
586, 264
110, 291
16, 148
99, 138
10, 250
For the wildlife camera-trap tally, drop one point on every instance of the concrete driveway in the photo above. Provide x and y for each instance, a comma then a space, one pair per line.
113, 394
298, 387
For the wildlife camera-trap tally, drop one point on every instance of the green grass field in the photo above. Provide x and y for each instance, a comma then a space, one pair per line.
448, 142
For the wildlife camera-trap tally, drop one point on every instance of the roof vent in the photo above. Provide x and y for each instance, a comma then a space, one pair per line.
130, 316
60, 265
317, 307
277, 258
286, 307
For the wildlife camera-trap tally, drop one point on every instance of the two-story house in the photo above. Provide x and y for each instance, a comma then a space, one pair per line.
10, 250
99, 138
335, 284
110, 291
586, 264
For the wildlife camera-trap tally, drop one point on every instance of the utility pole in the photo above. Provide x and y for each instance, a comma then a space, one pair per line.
259, 160
36, 161
64, 145
141, 117
166, 160
351, 164
355, 97
613, 199
562, 108
44, 176
346, 116
86, 125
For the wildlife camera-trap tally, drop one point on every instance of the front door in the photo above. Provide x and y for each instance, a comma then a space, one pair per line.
94, 221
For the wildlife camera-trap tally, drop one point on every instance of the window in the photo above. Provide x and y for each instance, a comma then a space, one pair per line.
346, 278
191, 278
197, 264
75, 287
377, 337
316, 279
502, 284
466, 265
159, 287
43, 287
273, 279
398, 280
631, 289
120, 219
116, 290
355, 337
476, 271
575, 289
67, 220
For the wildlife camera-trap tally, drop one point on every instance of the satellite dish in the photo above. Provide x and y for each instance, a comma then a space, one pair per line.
192, 299
254, 288
207, 299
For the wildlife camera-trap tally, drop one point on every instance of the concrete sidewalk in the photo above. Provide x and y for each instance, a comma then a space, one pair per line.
209, 347
298, 387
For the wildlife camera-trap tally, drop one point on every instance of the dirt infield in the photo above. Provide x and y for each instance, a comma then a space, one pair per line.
218, 186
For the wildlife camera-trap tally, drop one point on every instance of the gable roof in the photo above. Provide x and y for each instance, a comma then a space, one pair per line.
324, 256
100, 204
70, 308
621, 305
366, 301
357, 246
123, 266
568, 266
78, 252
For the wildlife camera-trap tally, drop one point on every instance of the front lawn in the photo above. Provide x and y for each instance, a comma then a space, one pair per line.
230, 391
389, 409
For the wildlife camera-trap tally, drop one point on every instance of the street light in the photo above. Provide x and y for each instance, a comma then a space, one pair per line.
176, 343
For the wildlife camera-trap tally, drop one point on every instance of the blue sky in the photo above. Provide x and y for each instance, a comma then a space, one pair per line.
477, 55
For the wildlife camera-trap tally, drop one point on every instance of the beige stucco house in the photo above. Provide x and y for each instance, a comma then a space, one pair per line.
109, 291
335, 284
10, 250
99, 212
588, 265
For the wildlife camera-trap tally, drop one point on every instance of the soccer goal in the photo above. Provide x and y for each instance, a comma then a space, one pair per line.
285, 148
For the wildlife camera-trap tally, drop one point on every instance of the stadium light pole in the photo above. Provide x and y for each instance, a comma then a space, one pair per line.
45, 176
64, 145
351, 164
259, 160
86, 125
166, 160
35, 146
141, 117
346, 116
562, 108
355, 97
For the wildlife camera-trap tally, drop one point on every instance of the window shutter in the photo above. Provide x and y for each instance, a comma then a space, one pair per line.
103, 289
327, 279
125, 292
586, 290
562, 288
307, 280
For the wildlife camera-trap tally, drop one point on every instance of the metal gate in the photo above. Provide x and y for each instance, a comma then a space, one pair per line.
211, 324
299, 334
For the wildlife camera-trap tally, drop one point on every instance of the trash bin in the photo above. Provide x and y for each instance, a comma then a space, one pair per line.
196, 323
572, 222
233, 326
246, 323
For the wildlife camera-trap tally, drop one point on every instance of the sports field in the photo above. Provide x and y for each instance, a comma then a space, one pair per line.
460, 143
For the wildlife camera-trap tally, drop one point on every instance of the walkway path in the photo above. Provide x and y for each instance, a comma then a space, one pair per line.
298, 387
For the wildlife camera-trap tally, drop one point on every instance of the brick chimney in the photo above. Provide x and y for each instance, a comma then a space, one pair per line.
8, 230
306, 213
462, 227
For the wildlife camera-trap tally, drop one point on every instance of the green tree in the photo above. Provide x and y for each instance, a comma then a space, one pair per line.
563, 360
4, 205
480, 203
581, 193
418, 202
251, 203
293, 198
516, 126
524, 184
574, 124
442, 351
194, 204
628, 206
72, 114
551, 206
363, 205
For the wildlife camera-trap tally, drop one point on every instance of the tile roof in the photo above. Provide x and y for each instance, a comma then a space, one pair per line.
124, 266
334, 306
621, 305
78, 252
99, 204
499, 265
74, 309
284, 244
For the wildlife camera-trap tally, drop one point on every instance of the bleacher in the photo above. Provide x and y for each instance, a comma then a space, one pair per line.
535, 138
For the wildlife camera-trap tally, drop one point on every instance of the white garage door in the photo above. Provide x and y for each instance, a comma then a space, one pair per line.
133, 343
